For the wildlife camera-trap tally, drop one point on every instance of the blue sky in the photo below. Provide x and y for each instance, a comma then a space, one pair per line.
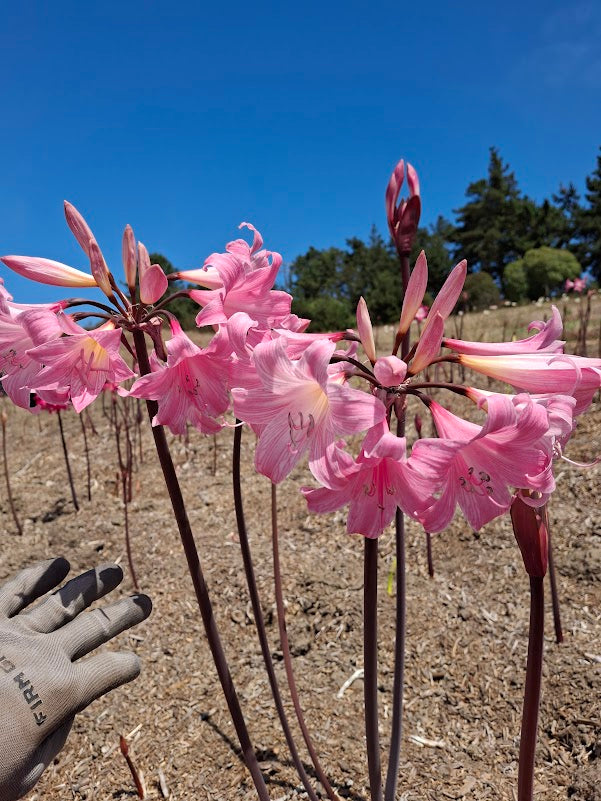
184, 119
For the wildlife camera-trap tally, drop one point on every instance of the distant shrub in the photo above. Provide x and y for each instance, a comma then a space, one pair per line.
545, 269
480, 291
515, 281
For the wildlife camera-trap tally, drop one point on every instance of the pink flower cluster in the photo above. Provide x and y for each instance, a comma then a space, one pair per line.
294, 389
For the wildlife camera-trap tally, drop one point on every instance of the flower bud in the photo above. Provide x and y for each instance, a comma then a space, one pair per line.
366, 333
128, 254
530, 526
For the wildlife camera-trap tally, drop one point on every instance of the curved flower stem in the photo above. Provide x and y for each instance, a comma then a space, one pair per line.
279, 600
534, 669
200, 587
396, 732
258, 612
554, 593
67, 462
11, 501
370, 666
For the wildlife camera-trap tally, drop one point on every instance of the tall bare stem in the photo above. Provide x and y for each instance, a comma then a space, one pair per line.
198, 580
67, 462
534, 669
11, 502
285, 645
258, 613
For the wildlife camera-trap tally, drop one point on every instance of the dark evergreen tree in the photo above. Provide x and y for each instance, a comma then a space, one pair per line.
372, 271
316, 281
589, 224
496, 225
567, 202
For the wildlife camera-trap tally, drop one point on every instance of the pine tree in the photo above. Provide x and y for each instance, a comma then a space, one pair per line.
497, 224
567, 202
589, 224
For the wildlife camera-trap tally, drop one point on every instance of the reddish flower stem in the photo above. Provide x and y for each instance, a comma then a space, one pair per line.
396, 732
554, 592
198, 580
258, 613
281, 612
11, 501
534, 669
370, 666
429, 554
67, 462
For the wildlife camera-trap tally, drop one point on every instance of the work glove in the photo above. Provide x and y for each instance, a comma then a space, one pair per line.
43, 680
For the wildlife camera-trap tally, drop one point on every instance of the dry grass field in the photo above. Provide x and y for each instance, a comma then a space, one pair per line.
467, 626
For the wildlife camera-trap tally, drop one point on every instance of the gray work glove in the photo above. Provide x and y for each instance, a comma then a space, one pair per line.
42, 682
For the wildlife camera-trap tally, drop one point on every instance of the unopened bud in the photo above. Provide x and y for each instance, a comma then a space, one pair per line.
530, 527
99, 269
366, 333
128, 253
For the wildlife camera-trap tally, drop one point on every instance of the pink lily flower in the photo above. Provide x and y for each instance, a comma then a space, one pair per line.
559, 408
542, 373
21, 330
299, 409
375, 485
241, 292
191, 387
546, 340
251, 257
82, 361
476, 464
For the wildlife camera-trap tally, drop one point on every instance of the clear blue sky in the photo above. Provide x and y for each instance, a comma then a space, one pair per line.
185, 118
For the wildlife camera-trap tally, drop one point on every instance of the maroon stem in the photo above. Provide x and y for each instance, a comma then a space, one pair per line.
370, 666
11, 502
258, 613
281, 611
67, 462
200, 586
554, 592
534, 669
429, 553
125, 473
87, 452
396, 729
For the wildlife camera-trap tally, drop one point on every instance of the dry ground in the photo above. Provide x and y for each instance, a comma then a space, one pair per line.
467, 628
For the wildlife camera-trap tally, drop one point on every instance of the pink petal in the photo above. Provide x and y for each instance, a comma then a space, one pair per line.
153, 284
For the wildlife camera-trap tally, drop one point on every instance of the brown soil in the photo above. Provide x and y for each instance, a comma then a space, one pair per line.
467, 631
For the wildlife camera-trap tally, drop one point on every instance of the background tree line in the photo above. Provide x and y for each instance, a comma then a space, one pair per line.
515, 247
